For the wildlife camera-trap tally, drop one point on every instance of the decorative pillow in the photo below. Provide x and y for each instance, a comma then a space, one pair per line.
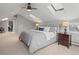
41, 29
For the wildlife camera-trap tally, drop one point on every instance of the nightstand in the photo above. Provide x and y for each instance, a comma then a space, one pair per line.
64, 39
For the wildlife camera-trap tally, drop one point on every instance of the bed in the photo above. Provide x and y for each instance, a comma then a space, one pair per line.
36, 40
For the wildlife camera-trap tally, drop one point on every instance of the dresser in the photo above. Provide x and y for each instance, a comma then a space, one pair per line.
64, 39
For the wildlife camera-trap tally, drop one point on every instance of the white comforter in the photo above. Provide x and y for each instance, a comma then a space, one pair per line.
48, 35
39, 39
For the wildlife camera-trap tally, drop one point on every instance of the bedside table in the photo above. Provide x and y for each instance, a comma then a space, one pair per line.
64, 39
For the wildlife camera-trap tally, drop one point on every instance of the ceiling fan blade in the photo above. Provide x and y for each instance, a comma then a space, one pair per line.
34, 8
28, 7
23, 7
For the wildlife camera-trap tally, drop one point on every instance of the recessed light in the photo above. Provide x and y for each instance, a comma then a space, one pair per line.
4, 19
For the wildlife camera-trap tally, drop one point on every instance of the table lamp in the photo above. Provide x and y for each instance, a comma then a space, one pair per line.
37, 25
65, 24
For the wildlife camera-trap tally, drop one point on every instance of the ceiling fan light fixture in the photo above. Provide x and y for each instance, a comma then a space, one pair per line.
29, 8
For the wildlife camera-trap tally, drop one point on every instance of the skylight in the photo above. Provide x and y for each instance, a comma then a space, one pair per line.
57, 6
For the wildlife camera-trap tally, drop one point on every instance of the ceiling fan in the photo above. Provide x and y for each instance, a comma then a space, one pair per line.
28, 7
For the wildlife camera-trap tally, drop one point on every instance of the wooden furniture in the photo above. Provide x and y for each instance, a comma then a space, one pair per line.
1, 29
64, 39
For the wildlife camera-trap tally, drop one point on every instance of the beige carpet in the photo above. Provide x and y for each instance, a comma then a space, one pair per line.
10, 45
56, 49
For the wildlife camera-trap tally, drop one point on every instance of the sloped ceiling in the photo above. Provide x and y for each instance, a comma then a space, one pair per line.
7, 10
70, 12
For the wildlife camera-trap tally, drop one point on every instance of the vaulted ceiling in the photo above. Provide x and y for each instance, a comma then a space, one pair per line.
44, 12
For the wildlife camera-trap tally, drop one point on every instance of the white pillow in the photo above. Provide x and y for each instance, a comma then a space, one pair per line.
46, 29
53, 29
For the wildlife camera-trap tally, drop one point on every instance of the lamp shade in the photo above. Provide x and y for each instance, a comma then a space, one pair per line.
37, 24
66, 23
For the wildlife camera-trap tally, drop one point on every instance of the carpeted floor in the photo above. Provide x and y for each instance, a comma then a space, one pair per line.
56, 49
10, 45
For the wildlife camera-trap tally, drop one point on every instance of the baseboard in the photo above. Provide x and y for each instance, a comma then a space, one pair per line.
75, 44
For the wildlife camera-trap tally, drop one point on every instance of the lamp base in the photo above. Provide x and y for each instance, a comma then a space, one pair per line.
65, 30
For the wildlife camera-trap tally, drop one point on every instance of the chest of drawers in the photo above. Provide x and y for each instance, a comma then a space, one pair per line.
64, 39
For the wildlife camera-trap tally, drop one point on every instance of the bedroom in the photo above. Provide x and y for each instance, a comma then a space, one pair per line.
38, 28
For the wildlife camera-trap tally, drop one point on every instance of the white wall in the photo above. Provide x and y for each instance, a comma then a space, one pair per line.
54, 25
50, 23
23, 24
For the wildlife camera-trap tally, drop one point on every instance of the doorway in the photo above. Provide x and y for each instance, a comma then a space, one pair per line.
10, 26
